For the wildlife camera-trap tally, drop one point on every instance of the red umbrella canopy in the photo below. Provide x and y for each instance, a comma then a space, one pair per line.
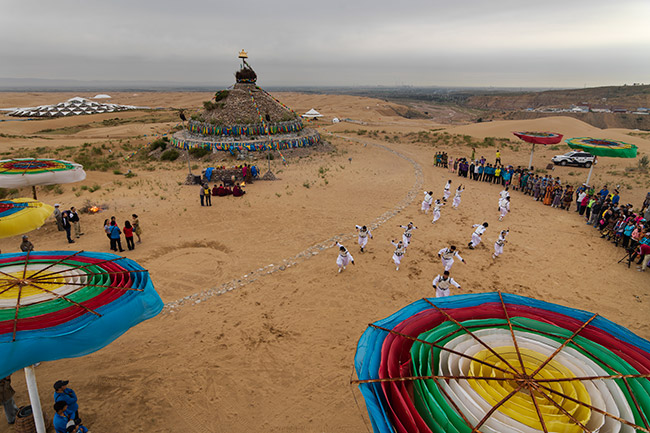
539, 137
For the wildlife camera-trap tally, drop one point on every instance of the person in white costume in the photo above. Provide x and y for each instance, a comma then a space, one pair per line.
442, 283
344, 258
498, 245
400, 249
447, 191
364, 234
447, 256
504, 207
406, 236
504, 193
426, 203
456, 201
476, 236
436, 210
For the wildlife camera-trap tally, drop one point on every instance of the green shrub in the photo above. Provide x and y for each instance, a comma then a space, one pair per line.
117, 172
222, 94
199, 152
159, 143
209, 105
170, 155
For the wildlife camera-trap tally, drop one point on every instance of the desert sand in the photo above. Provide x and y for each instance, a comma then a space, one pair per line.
275, 353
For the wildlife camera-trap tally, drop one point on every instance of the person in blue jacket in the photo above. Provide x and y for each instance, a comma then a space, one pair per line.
68, 396
62, 422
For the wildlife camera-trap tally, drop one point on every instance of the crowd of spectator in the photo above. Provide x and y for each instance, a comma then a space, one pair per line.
619, 223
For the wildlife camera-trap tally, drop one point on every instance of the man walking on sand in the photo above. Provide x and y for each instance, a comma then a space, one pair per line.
406, 236
74, 219
447, 191
442, 283
364, 234
67, 225
7, 397
447, 256
57, 217
476, 236
498, 245
400, 249
344, 258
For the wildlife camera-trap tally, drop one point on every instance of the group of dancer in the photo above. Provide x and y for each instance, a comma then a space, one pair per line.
442, 282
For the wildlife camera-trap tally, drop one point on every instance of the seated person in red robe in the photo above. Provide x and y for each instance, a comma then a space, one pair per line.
237, 191
215, 190
221, 191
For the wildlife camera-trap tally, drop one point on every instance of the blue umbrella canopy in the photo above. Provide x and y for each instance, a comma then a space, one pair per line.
58, 304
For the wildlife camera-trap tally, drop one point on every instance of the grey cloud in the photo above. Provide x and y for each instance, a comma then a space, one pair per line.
501, 42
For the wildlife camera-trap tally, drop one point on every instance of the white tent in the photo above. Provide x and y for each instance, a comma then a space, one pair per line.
73, 106
102, 96
312, 114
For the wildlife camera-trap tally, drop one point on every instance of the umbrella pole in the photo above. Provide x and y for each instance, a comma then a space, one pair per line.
32, 388
590, 170
34, 191
530, 162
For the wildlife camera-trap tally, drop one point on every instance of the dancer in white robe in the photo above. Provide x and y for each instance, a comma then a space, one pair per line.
447, 191
504, 193
447, 257
476, 236
504, 207
436, 210
426, 203
399, 252
364, 234
498, 245
456, 201
344, 258
406, 236
442, 283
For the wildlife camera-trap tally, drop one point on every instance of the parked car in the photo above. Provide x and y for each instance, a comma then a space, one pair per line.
574, 157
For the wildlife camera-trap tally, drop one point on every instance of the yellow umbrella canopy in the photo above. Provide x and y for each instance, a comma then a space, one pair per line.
22, 215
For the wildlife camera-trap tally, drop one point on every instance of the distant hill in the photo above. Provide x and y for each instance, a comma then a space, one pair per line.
625, 97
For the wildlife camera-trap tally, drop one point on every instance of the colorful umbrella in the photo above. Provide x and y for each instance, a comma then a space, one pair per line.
502, 363
538, 138
22, 172
602, 147
57, 304
22, 215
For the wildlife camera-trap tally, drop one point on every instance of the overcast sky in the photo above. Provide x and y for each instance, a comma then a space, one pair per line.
518, 43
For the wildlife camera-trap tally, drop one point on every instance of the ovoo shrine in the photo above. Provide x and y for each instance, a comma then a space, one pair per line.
245, 118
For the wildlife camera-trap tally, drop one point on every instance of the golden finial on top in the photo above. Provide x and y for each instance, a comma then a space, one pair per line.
243, 54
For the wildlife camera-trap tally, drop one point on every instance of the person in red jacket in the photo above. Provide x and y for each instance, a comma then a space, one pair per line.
644, 251
128, 235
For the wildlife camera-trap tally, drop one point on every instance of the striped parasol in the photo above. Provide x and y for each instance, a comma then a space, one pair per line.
538, 138
502, 363
602, 147
22, 215
58, 304
23, 172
